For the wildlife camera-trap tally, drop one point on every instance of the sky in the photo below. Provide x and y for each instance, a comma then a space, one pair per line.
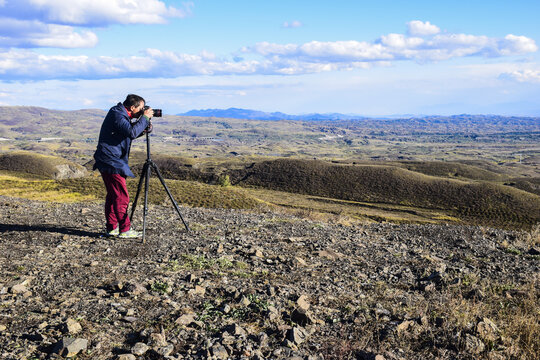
371, 58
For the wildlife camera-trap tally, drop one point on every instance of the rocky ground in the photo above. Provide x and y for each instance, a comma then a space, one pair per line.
261, 286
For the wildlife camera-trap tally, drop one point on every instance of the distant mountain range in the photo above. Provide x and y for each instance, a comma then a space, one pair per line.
236, 113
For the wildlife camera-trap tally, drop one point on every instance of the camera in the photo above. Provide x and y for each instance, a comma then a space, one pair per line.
157, 112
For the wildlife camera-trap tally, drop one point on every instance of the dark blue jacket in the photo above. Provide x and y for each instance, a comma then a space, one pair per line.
115, 138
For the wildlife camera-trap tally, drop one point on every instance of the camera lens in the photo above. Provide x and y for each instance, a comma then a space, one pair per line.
157, 113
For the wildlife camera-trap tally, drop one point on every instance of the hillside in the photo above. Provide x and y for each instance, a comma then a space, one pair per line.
484, 202
459, 193
261, 286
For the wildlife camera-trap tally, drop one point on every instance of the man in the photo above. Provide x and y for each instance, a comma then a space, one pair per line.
123, 123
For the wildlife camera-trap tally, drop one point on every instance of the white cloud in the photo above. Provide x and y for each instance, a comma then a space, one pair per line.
19, 33
399, 47
528, 75
95, 12
51, 23
292, 24
420, 28
263, 58
513, 44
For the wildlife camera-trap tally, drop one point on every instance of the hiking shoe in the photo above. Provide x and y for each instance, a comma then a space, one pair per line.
113, 233
130, 234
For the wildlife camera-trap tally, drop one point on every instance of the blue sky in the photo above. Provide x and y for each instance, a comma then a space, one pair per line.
371, 58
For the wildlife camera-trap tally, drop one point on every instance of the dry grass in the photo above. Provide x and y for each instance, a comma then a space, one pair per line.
476, 202
533, 237
92, 189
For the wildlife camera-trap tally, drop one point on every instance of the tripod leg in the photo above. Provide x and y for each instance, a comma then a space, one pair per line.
145, 212
139, 188
154, 166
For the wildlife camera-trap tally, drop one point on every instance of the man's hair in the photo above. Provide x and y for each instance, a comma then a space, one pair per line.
133, 100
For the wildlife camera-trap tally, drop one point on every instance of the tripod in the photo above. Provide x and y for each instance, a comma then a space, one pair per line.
145, 176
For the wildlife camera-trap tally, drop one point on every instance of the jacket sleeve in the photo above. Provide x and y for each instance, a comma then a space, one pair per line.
126, 128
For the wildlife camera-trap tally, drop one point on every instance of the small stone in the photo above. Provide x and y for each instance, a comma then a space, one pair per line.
297, 335
473, 344
94, 263
258, 253
69, 347
126, 357
405, 326
245, 301
186, 319
220, 248
165, 350
379, 357
118, 285
299, 261
3, 328
101, 293
303, 303
487, 330
226, 308
271, 291
219, 351
18, 289
198, 290
237, 330
329, 254
135, 289
72, 326
139, 349
157, 340
272, 313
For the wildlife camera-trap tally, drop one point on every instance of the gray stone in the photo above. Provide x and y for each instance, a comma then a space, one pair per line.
219, 351
165, 350
272, 313
186, 319
69, 347
139, 348
297, 335
237, 330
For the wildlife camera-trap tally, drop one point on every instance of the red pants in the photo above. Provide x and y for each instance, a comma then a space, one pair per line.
116, 202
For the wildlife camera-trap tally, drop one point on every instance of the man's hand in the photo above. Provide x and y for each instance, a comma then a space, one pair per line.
149, 113
149, 128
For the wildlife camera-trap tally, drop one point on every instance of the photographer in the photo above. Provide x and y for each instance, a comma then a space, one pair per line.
124, 122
